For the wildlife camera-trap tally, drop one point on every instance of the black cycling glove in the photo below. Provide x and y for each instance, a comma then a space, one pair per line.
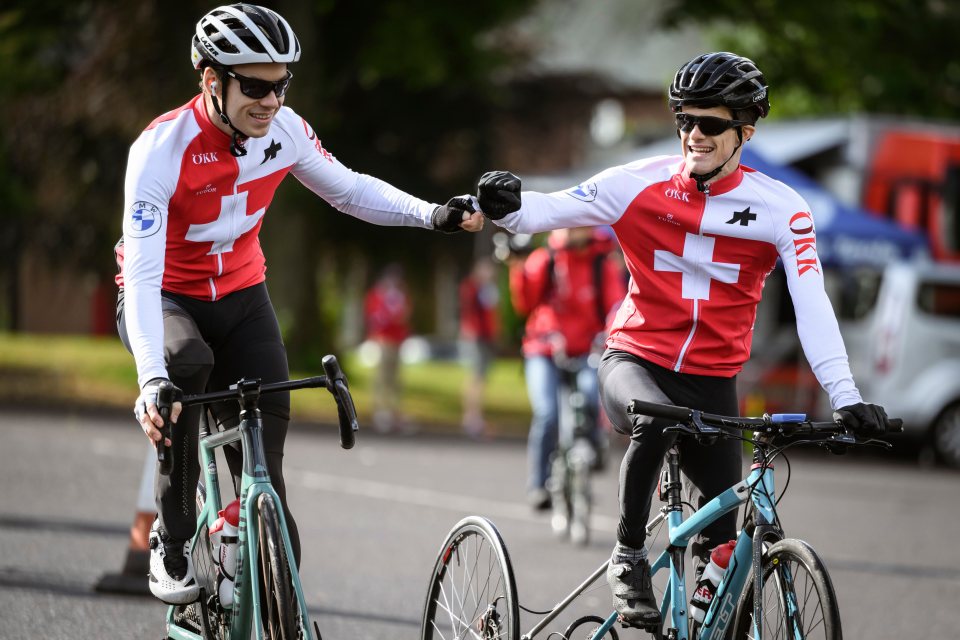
864, 418
498, 193
447, 217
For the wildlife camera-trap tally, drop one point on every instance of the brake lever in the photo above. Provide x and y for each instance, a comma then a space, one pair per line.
876, 442
838, 444
681, 428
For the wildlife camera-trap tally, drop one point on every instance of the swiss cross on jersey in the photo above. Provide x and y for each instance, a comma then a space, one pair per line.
232, 223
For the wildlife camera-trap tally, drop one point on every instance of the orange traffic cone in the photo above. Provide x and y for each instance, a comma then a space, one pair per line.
132, 578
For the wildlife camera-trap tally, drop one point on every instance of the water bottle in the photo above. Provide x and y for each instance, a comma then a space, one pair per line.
223, 540
712, 574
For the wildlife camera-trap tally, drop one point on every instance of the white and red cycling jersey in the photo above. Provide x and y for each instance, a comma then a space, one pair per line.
193, 212
698, 263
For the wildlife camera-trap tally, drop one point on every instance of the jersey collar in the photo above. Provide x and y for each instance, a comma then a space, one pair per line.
723, 185
209, 129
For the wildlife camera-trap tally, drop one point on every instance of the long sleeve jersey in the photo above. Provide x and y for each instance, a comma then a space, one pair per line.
193, 212
698, 263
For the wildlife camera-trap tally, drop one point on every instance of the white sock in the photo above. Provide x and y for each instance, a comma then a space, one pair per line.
622, 553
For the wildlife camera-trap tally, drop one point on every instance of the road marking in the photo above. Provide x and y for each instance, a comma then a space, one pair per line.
430, 498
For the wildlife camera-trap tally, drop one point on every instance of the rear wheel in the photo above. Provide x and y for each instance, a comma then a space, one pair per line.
472, 592
798, 600
279, 606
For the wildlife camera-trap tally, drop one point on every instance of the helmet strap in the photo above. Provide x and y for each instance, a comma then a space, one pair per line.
239, 137
702, 178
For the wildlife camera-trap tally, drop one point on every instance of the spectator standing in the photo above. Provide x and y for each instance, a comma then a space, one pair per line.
387, 314
479, 327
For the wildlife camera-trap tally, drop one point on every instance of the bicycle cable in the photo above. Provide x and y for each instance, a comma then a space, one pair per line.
536, 613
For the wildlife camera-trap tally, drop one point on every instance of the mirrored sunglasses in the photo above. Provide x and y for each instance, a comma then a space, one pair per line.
257, 88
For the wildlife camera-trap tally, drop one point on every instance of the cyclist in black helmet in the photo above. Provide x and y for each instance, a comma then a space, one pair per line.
699, 234
193, 306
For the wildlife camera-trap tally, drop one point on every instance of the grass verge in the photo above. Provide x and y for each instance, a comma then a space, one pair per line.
97, 372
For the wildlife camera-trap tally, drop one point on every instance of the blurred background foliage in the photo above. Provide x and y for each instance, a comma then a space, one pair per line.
406, 90
828, 56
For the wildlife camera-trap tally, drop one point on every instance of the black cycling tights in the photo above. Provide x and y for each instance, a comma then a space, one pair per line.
209, 346
709, 469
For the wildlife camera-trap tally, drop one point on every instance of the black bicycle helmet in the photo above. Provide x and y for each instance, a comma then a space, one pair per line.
243, 34
721, 79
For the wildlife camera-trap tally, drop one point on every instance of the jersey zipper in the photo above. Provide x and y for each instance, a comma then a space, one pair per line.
696, 303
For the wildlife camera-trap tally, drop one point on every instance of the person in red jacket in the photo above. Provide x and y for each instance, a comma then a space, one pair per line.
387, 314
479, 326
567, 291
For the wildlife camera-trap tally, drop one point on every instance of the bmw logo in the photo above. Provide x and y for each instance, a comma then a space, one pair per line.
585, 192
144, 220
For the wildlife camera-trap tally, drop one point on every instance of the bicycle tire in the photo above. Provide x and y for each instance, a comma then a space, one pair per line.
279, 605
581, 499
472, 587
791, 567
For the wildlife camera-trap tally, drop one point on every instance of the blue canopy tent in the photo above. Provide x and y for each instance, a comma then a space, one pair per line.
846, 236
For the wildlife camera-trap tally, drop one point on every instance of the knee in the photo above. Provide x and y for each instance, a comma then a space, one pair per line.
189, 359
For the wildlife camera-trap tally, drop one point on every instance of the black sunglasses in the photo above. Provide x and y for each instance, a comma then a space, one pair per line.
709, 125
256, 88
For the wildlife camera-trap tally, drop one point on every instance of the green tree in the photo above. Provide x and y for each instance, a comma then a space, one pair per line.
824, 56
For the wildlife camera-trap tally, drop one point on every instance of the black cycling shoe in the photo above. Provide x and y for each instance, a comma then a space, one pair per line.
633, 593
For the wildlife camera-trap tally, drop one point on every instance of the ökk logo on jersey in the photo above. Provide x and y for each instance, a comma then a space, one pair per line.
801, 224
585, 192
144, 220
203, 158
676, 194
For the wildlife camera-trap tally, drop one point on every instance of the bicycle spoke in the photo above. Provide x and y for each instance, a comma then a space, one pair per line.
454, 619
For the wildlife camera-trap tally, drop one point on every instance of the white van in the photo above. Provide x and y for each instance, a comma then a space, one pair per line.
905, 353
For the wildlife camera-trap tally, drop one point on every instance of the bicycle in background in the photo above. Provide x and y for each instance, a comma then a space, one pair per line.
774, 586
577, 453
267, 599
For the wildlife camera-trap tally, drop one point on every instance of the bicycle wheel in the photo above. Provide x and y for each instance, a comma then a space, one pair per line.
472, 590
581, 459
798, 597
279, 607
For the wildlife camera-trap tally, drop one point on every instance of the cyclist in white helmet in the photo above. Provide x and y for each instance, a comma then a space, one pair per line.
193, 307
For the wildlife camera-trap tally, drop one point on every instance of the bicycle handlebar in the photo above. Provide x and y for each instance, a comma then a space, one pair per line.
346, 411
334, 381
709, 424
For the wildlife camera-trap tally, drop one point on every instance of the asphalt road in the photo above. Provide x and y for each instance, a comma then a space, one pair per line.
372, 519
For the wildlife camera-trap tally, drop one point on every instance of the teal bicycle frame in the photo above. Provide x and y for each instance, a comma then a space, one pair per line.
681, 531
761, 532
254, 484
255, 490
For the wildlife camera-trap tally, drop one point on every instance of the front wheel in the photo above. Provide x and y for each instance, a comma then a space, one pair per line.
472, 592
278, 599
798, 600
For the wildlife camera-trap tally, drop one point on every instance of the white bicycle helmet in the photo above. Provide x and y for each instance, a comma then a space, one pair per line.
243, 34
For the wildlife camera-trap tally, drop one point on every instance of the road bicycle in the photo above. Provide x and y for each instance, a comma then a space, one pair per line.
268, 599
774, 587
576, 454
